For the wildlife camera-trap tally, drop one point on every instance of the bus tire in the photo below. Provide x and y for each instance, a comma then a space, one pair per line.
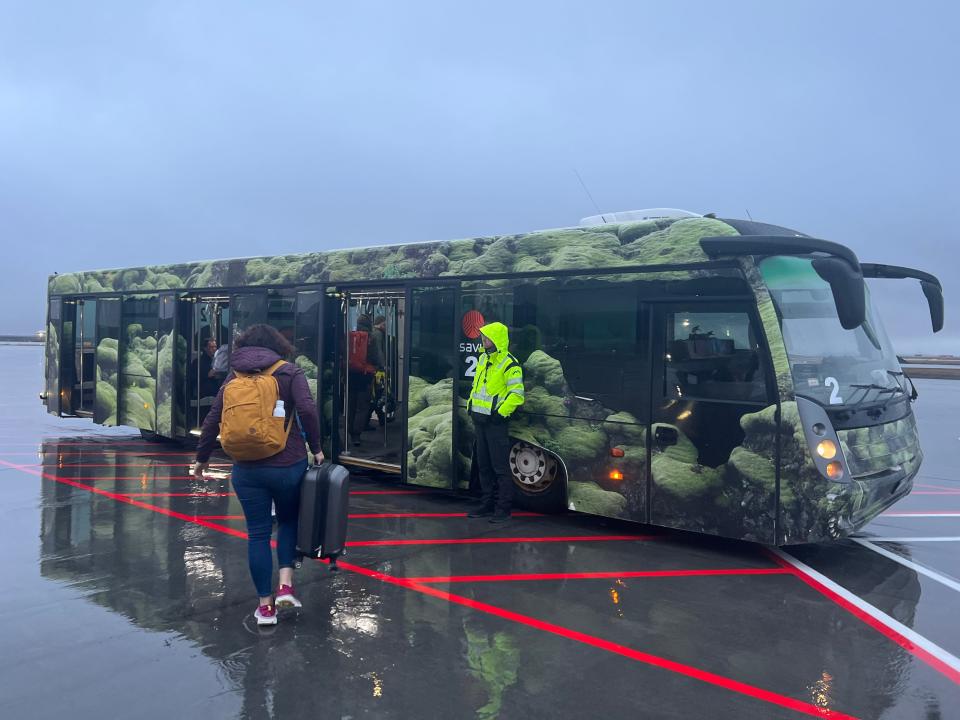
538, 479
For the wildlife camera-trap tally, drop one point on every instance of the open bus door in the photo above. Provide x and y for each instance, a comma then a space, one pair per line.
52, 360
372, 377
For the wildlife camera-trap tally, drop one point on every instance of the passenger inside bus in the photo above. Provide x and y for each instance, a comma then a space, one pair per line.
206, 378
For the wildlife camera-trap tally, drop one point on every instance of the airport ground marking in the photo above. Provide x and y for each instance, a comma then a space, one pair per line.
379, 516
488, 540
920, 647
916, 567
654, 660
612, 647
522, 577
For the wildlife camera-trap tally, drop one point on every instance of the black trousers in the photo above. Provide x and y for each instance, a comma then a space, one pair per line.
358, 403
493, 462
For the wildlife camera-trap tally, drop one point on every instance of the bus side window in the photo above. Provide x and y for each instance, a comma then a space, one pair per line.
713, 355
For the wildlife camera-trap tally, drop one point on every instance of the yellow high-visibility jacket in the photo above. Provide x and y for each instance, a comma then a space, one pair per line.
498, 383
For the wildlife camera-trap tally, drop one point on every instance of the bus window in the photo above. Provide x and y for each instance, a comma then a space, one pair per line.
712, 355
595, 329
84, 382
306, 339
247, 309
281, 313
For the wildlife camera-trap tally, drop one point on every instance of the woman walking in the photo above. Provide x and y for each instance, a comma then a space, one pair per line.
274, 480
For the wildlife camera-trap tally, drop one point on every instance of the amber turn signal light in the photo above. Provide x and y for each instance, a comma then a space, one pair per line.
616, 475
834, 470
827, 449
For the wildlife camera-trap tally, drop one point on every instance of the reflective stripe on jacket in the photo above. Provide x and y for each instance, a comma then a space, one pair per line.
498, 382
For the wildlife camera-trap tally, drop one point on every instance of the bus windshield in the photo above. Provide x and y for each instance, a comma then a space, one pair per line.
830, 365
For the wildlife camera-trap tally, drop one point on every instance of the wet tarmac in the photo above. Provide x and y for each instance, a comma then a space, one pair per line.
129, 597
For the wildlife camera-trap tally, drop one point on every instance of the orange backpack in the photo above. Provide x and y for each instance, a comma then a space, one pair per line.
357, 352
248, 429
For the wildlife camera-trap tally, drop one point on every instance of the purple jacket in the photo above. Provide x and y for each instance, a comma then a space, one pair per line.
295, 394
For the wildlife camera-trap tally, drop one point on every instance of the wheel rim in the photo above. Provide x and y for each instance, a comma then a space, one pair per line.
534, 470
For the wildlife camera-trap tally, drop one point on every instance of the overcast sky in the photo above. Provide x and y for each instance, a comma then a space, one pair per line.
137, 133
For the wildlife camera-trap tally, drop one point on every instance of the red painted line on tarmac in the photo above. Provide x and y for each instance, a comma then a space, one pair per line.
61, 466
98, 478
936, 487
888, 632
91, 444
127, 500
98, 451
379, 516
601, 575
597, 642
174, 494
647, 658
371, 516
485, 540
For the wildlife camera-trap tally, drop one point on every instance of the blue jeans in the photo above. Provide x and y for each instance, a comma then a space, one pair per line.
256, 487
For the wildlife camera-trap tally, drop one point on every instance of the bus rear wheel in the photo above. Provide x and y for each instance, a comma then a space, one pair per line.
537, 478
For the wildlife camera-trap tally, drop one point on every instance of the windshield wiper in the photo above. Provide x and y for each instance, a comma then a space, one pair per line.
913, 388
881, 390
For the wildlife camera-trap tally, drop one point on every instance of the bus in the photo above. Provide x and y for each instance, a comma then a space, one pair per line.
719, 376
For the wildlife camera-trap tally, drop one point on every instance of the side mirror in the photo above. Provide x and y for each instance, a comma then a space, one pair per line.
847, 286
934, 294
932, 288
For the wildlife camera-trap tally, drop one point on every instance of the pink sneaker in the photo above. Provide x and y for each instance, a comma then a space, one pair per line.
266, 615
286, 598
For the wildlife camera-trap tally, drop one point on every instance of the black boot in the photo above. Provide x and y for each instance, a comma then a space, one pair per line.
481, 511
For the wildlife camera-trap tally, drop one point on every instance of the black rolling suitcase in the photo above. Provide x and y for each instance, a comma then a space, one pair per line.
324, 501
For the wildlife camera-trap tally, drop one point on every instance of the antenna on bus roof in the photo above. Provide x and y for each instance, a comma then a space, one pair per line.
584, 185
748, 214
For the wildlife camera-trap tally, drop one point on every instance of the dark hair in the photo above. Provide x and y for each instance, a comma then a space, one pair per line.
265, 336
364, 322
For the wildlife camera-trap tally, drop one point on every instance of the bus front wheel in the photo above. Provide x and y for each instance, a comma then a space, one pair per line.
537, 478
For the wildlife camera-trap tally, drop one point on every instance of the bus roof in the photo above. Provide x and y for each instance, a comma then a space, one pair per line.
670, 241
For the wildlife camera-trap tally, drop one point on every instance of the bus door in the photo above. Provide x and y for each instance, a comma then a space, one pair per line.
429, 402
78, 357
107, 357
710, 371
207, 342
52, 357
372, 377
331, 399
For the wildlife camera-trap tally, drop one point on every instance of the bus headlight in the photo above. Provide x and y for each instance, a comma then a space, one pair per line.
834, 470
827, 449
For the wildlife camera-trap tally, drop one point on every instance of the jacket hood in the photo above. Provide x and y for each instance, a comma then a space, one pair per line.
251, 359
498, 334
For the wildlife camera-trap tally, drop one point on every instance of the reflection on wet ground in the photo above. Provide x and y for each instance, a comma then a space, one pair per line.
130, 597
